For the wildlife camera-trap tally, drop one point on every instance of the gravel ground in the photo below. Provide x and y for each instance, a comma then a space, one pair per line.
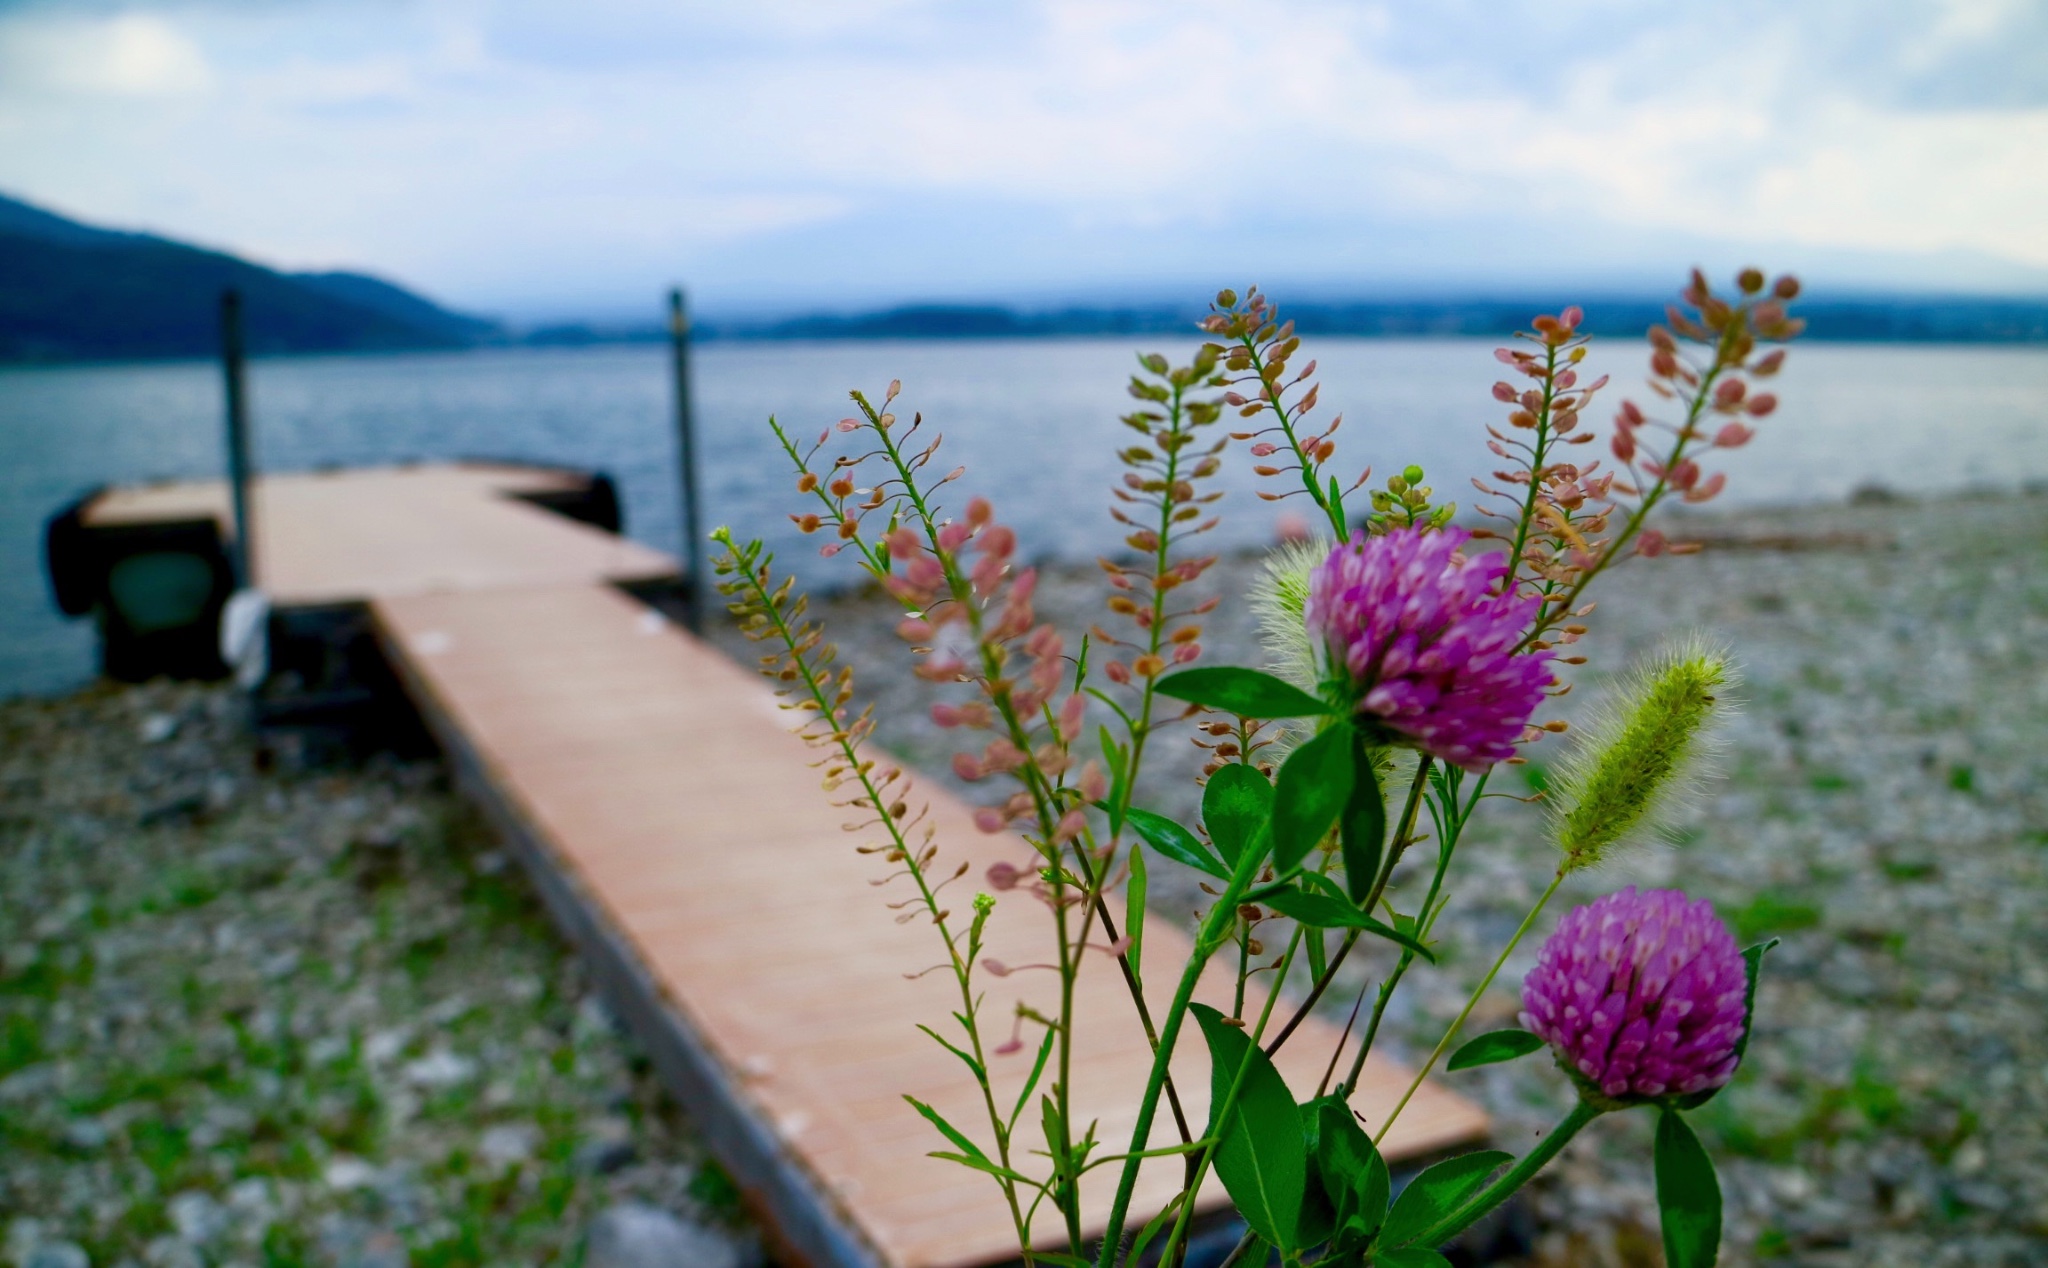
256, 1016
251, 1015
1884, 812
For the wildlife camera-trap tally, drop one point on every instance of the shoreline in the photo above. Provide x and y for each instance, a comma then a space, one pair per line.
212, 956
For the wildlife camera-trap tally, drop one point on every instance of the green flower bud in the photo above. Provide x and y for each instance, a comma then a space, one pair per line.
1279, 598
1642, 754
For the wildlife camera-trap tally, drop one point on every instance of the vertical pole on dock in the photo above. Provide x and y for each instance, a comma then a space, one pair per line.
243, 554
686, 450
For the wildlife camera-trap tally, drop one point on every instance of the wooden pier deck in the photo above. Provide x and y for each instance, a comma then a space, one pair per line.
675, 827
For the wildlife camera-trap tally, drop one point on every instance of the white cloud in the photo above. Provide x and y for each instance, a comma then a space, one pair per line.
514, 151
131, 55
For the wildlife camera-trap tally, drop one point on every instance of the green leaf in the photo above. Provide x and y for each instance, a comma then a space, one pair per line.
1437, 1192
1245, 692
1317, 953
1314, 784
1236, 804
947, 1129
1318, 1218
983, 1165
1688, 1195
1260, 1152
1321, 911
1037, 1071
1363, 829
1152, 1229
1753, 961
1175, 842
1353, 1173
1497, 1045
1410, 1257
1137, 891
972, 1064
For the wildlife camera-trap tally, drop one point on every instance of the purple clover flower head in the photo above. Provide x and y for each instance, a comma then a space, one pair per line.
1427, 642
1641, 995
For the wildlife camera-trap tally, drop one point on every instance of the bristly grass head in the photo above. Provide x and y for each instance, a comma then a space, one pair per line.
1279, 598
1644, 753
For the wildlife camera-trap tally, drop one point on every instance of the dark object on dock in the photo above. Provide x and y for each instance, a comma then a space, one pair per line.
156, 587
594, 500
155, 590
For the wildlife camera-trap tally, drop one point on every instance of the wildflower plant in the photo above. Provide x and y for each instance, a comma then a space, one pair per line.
1408, 657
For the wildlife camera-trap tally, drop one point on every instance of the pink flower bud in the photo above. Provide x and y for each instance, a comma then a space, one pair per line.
1650, 543
1624, 445
991, 820
1734, 435
1642, 995
1094, 784
1117, 672
1070, 825
979, 512
1730, 393
1002, 756
999, 540
1708, 490
1072, 714
954, 535
925, 573
1761, 404
1502, 392
967, 768
1428, 642
1186, 652
1572, 316
946, 715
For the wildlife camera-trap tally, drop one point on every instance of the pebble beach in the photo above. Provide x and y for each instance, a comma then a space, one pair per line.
259, 1012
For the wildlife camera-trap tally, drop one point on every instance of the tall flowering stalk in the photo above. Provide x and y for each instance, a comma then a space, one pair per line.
1410, 658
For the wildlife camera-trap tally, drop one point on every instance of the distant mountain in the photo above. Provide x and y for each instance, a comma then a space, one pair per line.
73, 291
1894, 318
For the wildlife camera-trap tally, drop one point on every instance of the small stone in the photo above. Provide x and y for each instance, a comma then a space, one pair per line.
634, 1235
349, 1173
58, 1255
198, 1217
85, 1133
508, 1144
384, 1045
604, 1155
250, 1196
171, 1252
439, 1069
156, 728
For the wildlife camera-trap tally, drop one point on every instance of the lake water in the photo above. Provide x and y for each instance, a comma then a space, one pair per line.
1032, 419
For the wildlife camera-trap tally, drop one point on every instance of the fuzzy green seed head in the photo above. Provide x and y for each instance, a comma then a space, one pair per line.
1642, 755
1279, 599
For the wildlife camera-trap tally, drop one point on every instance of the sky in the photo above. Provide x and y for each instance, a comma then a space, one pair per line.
538, 160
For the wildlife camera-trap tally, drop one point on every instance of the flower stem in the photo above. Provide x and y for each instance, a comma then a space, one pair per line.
1444, 1043
1517, 1176
1215, 927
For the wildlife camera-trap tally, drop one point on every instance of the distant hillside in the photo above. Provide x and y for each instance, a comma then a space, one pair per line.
71, 291
1900, 318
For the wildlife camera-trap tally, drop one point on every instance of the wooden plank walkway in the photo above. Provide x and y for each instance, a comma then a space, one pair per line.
676, 828
347, 536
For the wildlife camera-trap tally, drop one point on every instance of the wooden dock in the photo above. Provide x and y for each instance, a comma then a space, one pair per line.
675, 827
